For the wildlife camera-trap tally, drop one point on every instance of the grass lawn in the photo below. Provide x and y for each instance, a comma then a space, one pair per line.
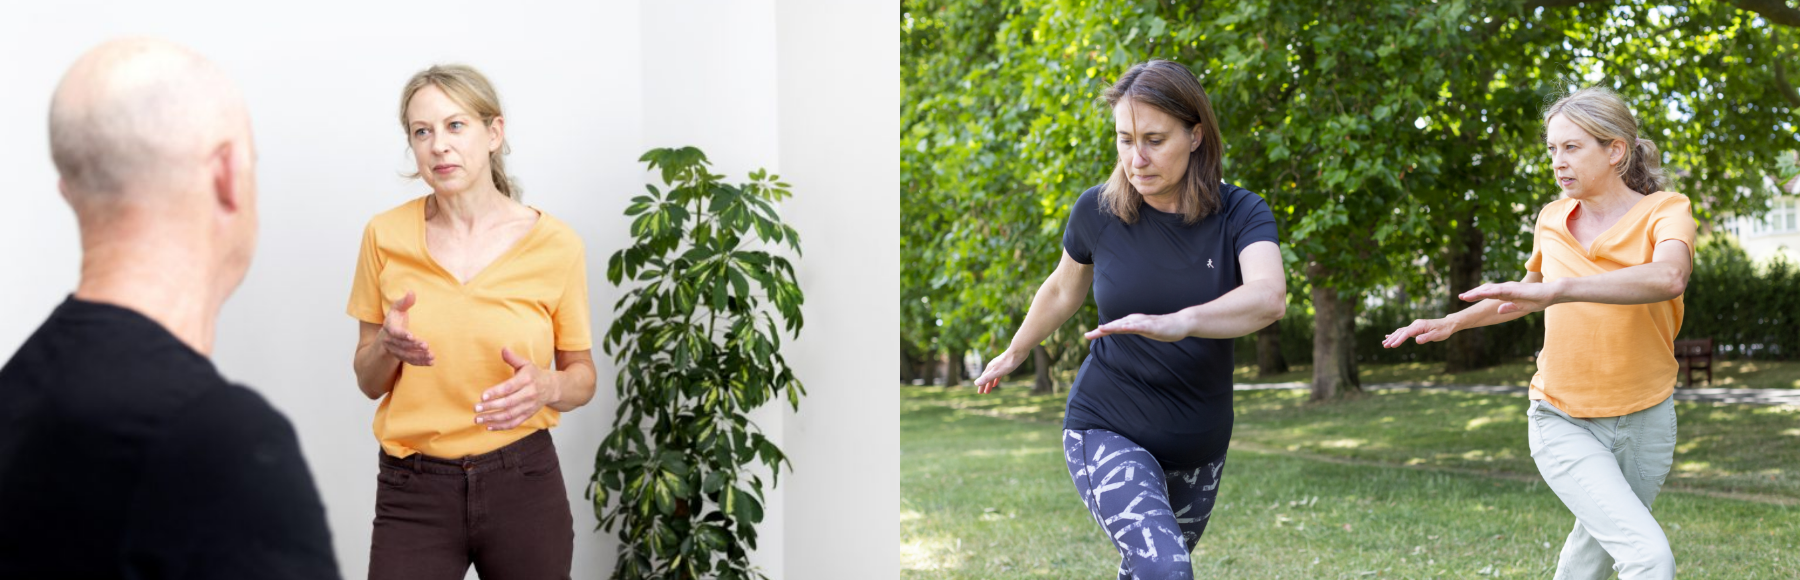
1746, 374
985, 494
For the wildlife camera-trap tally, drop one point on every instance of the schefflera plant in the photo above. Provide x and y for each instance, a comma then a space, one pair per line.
697, 341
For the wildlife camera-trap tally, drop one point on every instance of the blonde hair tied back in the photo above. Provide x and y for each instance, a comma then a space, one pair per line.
1601, 113
470, 89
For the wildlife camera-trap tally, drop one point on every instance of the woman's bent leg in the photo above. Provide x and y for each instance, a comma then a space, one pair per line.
1607, 471
1191, 494
1125, 490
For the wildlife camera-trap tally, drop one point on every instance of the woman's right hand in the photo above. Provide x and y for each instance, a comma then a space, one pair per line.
997, 369
1422, 331
400, 343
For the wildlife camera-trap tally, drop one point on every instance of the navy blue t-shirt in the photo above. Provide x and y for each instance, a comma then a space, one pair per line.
1172, 398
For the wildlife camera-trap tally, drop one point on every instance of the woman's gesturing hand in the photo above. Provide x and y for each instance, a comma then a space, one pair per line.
1432, 330
510, 403
1515, 296
1163, 327
997, 369
398, 341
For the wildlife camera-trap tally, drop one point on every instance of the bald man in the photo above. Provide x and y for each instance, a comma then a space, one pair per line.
123, 452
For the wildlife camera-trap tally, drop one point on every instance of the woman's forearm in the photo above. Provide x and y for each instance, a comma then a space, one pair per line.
1244, 310
575, 386
1483, 313
376, 369
1050, 308
1644, 284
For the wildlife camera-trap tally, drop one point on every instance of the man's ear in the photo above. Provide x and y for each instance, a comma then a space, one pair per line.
223, 166
496, 134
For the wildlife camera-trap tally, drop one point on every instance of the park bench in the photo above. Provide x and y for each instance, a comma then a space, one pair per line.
1695, 355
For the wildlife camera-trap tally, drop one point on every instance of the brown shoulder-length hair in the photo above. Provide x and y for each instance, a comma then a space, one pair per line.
1172, 89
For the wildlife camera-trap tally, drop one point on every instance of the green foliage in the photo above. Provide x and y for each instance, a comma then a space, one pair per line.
697, 348
1378, 131
1749, 312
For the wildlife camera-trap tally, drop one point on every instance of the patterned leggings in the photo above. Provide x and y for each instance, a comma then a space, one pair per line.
1131, 495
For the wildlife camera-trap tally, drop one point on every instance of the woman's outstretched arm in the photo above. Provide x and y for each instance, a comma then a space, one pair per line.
1246, 309
1056, 300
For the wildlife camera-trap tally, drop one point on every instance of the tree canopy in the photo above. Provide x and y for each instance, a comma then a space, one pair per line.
1397, 142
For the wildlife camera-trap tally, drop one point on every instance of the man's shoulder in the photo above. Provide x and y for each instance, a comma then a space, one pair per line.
227, 490
232, 411
105, 369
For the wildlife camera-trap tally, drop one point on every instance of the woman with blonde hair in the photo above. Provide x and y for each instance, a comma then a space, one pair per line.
1609, 263
474, 335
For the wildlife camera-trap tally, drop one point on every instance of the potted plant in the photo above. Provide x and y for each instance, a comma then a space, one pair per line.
697, 342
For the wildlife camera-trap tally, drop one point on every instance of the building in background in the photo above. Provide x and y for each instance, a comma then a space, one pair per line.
1776, 232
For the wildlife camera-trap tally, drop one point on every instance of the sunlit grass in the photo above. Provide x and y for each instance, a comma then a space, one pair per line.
988, 496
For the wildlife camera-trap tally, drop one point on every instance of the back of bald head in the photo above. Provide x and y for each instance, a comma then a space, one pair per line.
134, 118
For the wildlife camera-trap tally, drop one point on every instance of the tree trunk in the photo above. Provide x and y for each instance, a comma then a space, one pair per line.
1467, 349
928, 368
908, 370
1269, 361
1045, 384
1334, 341
952, 368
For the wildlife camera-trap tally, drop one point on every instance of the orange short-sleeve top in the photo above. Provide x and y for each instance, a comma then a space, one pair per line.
1607, 360
532, 299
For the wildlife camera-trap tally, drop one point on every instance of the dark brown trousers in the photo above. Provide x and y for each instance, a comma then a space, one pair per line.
505, 511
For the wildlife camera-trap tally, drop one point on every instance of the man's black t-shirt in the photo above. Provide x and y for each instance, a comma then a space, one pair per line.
1172, 398
124, 454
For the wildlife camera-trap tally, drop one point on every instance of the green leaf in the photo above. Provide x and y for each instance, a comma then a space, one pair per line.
747, 508
718, 293
714, 481
738, 283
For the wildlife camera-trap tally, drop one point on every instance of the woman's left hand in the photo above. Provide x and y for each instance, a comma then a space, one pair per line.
1163, 327
510, 403
1515, 296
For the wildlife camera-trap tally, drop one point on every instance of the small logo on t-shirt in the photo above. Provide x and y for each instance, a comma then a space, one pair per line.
1209, 263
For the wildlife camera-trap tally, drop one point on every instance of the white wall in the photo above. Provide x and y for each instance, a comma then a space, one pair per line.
587, 88
840, 103
709, 82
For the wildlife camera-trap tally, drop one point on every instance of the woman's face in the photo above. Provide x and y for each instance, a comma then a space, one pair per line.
449, 143
1153, 147
1583, 166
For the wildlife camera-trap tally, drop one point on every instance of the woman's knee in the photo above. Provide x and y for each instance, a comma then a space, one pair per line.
1653, 562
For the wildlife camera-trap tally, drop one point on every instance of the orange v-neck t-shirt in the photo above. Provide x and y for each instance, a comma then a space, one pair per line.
1608, 360
532, 299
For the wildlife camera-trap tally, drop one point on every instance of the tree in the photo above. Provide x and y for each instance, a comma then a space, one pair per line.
1658, 56
1397, 142
985, 195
